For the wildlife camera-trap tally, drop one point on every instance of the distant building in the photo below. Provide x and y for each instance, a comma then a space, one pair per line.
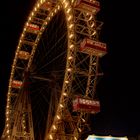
137, 137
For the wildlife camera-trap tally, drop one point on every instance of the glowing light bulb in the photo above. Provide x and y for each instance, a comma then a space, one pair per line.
66, 81
61, 105
30, 18
7, 106
65, 94
38, 5
32, 13
66, 4
94, 33
79, 129
71, 46
55, 10
58, 7
69, 9
83, 120
69, 18
54, 127
7, 112
90, 17
70, 57
71, 35
35, 9
70, 26
58, 117
92, 25
51, 137
7, 131
69, 69
52, 14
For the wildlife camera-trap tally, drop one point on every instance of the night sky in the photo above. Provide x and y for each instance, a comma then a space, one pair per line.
118, 89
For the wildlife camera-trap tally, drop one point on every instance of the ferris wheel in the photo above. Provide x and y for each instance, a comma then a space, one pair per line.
52, 85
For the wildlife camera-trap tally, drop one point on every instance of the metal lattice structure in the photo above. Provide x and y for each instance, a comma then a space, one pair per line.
57, 71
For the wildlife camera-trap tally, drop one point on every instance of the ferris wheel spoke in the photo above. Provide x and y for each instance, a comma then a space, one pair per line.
79, 85
46, 51
82, 61
52, 60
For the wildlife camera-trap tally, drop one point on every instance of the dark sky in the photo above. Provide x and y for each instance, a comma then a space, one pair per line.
118, 89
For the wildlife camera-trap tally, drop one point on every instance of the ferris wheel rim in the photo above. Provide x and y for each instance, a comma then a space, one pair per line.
65, 6
71, 49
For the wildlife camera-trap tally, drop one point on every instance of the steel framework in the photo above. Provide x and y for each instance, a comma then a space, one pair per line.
80, 78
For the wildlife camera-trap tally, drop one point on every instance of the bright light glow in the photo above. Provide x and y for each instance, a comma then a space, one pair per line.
72, 1
83, 120
52, 14
7, 131
54, 127
22, 35
66, 81
69, 69
66, 4
55, 10
7, 125
41, 1
51, 137
71, 25
65, 94
70, 57
79, 129
35, 9
69, 9
58, 117
61, 105
30, 18
71, 46
94, 33
64, 1
90, 17
58, 7
49, 18
7, 112
71, 35
92, 25
69, 18
7, 106
20, 39
32, 13
94, 137
38, 5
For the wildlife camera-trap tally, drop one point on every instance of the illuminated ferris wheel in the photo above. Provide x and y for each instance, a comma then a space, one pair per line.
52, 86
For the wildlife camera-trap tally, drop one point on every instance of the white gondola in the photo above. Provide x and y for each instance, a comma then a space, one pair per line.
33, 28
90, 6
16, 84
93, 47
23, 55
46, 6
81, 104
